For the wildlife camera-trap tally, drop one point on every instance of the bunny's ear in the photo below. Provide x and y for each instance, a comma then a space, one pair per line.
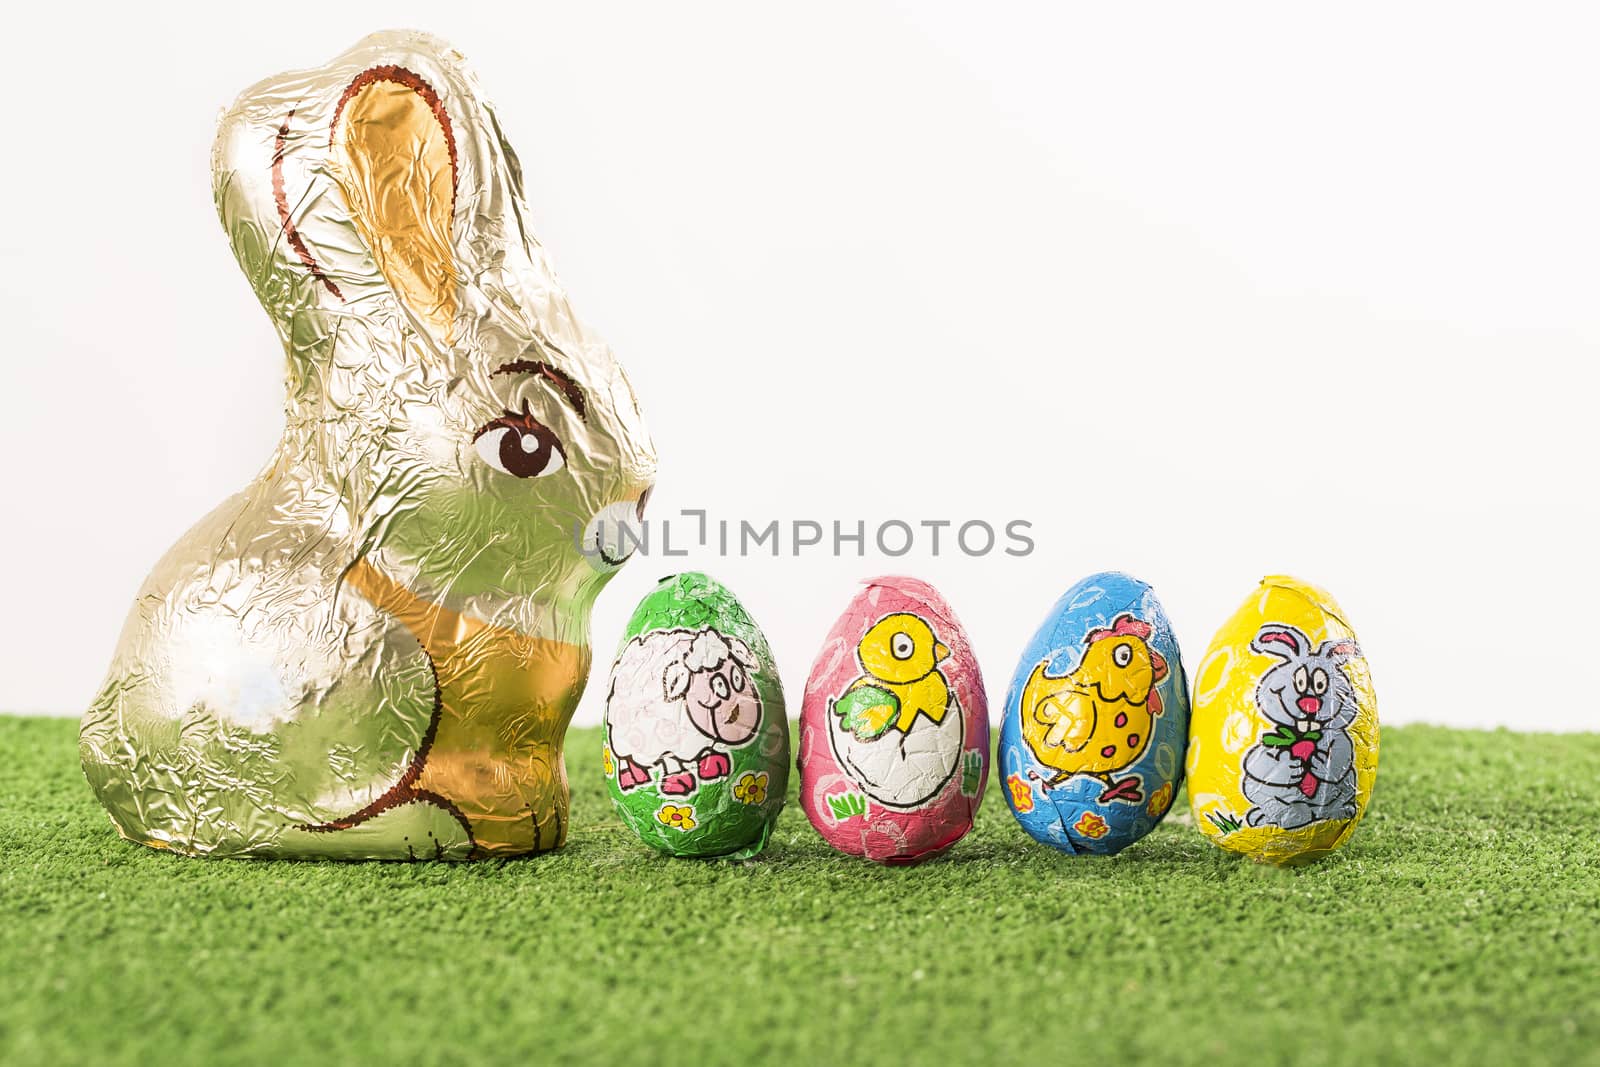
1339, 650
393, 152
1280, 640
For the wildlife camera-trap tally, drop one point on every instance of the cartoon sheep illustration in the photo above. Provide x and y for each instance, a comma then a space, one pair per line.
1304, 770
678, 700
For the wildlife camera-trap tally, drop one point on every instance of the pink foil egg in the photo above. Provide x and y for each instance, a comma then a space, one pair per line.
894, 728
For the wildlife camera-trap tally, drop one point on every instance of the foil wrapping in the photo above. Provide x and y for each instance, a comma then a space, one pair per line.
894, 730
1096, 719
1283, 749
697, 741
374, 650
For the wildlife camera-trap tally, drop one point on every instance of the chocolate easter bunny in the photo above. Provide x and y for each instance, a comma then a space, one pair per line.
375, 649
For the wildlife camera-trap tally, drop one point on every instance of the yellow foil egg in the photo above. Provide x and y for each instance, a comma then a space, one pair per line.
1283, 745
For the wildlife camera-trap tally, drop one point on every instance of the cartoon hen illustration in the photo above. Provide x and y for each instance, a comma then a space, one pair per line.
1097, 720
897, 729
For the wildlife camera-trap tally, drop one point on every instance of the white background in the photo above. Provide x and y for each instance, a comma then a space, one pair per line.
1204, 291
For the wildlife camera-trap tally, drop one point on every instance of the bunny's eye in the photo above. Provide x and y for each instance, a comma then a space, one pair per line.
1122, 655
520, 446
1301, 681
1319, 681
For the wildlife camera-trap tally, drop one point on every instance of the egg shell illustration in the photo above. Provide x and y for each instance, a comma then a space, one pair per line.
1283, 751
1096, 719
894, 729
696, 740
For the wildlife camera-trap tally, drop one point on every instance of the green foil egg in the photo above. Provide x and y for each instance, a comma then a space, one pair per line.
696, 740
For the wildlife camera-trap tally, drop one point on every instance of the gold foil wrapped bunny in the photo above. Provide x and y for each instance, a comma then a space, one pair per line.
375, 649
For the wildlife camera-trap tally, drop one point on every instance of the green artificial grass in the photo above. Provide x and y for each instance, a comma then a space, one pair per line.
1461, 924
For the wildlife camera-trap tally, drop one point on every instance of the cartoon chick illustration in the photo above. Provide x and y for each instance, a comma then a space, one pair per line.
897, 729
900, 656
1097, 719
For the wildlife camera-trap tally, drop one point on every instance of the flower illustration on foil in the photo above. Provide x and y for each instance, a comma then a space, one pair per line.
677, 816
1160, 801
1091, 825
1021, 793
751, 788
607, 762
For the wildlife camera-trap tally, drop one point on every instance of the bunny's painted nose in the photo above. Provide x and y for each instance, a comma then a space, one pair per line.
613, 535
1309, 706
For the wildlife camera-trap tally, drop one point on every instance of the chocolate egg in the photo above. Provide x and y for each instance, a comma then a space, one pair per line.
697, 743
1096, 719
1284, 747
894, 729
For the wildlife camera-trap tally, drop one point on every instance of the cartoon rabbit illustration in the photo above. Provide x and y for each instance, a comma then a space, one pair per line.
1304, 770
374, 650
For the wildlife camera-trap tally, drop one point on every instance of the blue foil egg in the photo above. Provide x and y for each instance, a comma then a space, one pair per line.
1096, 719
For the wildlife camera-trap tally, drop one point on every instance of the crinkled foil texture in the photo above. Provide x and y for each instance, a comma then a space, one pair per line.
1096, 719
697, 739
894, 729
374, 650
1283, 750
